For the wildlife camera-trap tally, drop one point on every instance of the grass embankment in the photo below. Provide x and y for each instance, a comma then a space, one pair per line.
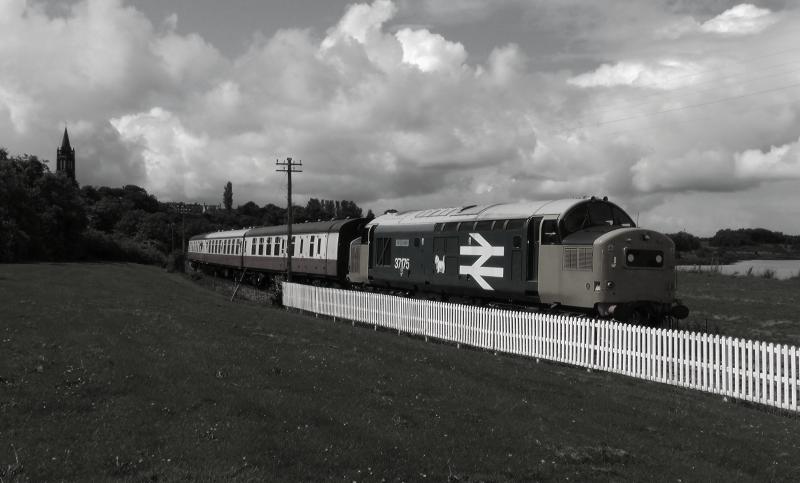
747, 307
124, 371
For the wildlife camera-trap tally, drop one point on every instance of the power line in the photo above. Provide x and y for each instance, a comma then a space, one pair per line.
692, 106
670, 95
661, 125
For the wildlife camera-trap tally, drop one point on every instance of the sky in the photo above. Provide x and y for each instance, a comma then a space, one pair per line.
685, 113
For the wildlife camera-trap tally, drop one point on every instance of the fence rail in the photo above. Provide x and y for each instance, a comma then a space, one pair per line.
760, 372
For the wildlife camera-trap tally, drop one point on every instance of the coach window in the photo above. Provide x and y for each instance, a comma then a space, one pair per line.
302, 239
319, 246
268, 246
311, 246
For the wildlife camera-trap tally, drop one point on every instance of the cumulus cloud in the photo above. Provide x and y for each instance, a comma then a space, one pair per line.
398, 116
663, 74
430, 52
778, 163
742, 19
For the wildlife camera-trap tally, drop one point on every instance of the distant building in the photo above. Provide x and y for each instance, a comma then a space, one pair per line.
192, 208
211, 208
65, 158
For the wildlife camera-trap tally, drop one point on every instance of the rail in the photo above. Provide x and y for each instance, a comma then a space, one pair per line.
759, 372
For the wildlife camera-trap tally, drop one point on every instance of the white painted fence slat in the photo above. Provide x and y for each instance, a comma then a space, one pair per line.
743, 369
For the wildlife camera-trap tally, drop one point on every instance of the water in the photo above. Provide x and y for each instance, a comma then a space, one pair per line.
783, 268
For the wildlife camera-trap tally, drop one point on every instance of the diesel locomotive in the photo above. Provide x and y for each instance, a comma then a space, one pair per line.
581, 255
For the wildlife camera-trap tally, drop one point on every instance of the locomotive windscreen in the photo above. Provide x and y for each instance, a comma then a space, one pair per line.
594, 213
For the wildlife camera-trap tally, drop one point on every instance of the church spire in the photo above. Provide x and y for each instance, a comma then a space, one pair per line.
65, 157
65, 146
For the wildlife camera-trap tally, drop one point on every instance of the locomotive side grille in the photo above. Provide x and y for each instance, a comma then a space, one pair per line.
578, 258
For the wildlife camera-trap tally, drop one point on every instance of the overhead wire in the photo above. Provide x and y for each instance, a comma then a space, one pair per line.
690, 90
700, 104
666, 123
747, 65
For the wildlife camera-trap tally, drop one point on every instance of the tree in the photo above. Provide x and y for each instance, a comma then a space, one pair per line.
684, 241
314, 210
227, 196
42, 214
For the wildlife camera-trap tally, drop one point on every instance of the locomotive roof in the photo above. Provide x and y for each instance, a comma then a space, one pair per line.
479, 212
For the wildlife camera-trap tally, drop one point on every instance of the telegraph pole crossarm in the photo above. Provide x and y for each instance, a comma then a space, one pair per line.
289, 167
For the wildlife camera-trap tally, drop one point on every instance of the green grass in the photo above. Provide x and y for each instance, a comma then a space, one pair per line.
113, 371
758, 308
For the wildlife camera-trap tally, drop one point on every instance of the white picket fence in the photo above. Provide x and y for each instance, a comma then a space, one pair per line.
748, 370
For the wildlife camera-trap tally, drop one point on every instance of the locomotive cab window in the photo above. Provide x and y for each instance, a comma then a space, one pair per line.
383, 251
550, 233
594, 213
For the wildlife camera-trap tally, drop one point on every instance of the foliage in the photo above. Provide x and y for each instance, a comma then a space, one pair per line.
46, 216
227, 196
750, 236
116, 247
684, 241
318, 210
41, 214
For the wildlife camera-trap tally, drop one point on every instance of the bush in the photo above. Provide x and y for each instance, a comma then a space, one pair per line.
176, 262
103, 246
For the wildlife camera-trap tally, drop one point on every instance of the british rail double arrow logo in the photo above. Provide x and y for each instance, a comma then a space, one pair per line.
484, 251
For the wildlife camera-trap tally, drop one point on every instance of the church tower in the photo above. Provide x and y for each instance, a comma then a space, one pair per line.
65, 158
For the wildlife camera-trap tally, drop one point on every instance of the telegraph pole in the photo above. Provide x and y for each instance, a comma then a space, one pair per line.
289, 167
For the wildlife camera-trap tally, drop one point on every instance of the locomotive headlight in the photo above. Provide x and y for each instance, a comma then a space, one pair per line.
610, 284
631, 258
659, 259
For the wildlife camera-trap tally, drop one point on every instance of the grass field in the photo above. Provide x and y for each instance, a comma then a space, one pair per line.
748, 307
112, 371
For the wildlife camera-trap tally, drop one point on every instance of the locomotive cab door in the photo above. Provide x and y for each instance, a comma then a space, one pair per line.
549, 262
532, 249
